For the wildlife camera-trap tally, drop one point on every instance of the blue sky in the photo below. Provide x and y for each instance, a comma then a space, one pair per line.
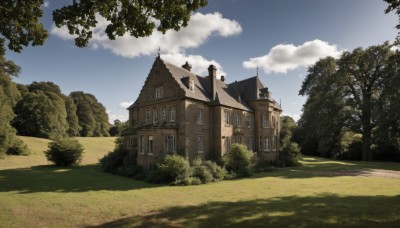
281, 38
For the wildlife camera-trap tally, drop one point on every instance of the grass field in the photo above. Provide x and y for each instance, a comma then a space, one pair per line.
34, 194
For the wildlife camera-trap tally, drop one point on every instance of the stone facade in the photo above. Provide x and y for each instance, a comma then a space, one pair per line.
180, 112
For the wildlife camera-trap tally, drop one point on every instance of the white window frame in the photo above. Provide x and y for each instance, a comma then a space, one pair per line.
169, 143
227, 144
250, 143
227, 115
239, 120
200, 143
172, 114
147, 116
248, 121
265, 120
200, 116
129, 144
159, 92
155, 116
266, 143
163, 114
150, 145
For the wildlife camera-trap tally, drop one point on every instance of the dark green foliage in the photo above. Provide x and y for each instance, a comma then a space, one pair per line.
172, 168
9, 96
358, 93
18, 147
65, 152
41, 115
121, 161
117, 128
72, 118
20, 24
240, 160
92, 116
133, 17
289, 155
218, 173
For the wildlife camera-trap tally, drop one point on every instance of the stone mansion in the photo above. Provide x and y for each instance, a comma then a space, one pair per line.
178, 111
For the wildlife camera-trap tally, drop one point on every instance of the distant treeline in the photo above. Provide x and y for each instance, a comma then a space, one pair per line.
41, 110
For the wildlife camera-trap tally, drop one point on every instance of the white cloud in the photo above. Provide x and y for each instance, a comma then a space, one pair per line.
295, 116
115, 114
46, 4
285, 57
125, 104
198, 62
199, 29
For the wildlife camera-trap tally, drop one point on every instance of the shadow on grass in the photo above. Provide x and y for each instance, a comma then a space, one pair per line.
292, 211
72, 179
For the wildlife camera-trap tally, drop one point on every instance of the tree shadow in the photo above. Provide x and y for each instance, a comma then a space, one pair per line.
46, 178
293, 211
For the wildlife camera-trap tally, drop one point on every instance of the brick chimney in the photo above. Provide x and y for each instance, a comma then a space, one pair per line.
187, 66
212, 74
222, 78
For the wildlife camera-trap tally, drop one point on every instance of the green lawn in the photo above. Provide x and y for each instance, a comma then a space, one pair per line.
40, 195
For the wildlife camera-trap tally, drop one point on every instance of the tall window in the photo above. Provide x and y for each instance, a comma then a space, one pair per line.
266, 143
248, 121
238, 120
159, 92
150, 144
249, 143
172, 114
163, 114
169, 143
200, 116
227, 115
265, 120
200, 144
274, 143
155, 116
129, 144
228, 144
147, 120
238, 139
141, 142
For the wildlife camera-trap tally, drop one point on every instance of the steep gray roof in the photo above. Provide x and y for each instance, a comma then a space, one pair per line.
235, 95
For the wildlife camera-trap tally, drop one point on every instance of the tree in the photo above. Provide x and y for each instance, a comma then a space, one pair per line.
41, 116
364, 74
288, 128
20, 24
9, 96
345, 95
117, 128
72, 118
92, 116
394, 5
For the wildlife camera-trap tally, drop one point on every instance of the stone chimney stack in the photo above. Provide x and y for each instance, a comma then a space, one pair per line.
212, 74
187, 66
222, 78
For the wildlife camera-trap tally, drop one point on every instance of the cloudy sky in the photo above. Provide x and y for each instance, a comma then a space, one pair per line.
282, 38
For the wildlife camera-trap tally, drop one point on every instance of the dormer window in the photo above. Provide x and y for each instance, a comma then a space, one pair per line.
159, 92
191, 85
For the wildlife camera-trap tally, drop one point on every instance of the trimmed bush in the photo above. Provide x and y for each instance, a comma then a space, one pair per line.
240, 160
218, 173
65, 152
172, 168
